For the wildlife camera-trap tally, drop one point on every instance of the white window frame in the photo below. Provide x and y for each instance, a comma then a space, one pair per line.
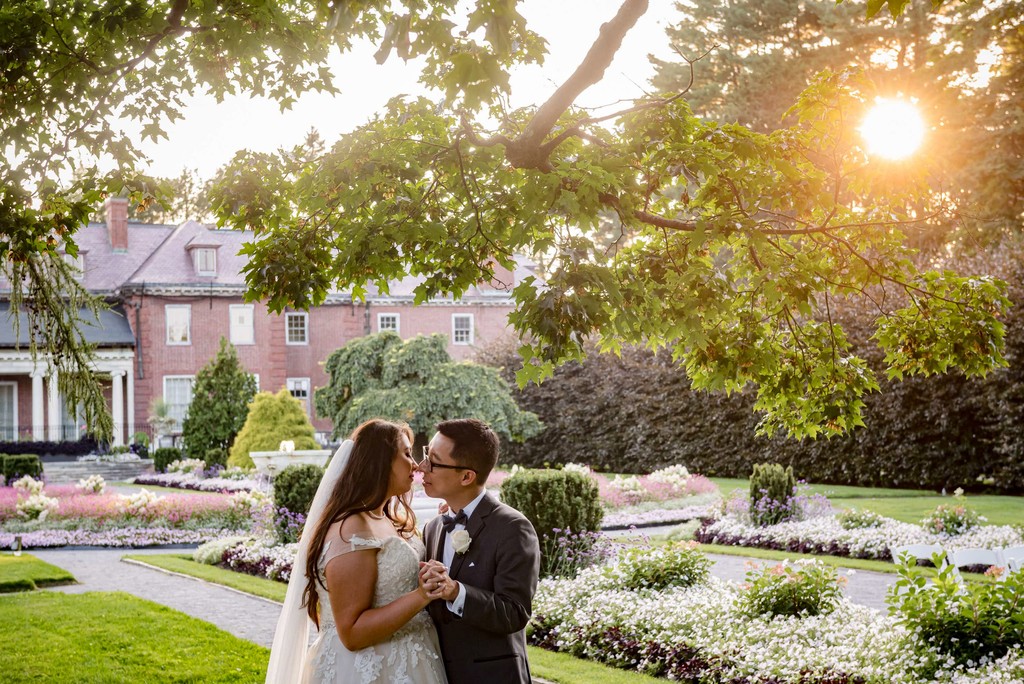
171, 410
472, 329
294, 384
198, 255
188, 324
296, 315
70, 422
398, 322
13, 436
237, 335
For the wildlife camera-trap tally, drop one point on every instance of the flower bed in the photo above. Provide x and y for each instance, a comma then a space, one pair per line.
127, 537
826, 535
706, 632
200, 484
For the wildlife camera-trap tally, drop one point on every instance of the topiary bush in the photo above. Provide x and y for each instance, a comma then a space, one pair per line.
164, 456
772, 489
17, 465
272, 419
295, 486
216, 457
556, 501
678, 564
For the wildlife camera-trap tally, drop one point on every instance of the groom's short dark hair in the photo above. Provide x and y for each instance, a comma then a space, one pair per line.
476, 444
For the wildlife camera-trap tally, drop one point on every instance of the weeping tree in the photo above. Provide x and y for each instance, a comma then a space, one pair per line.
416, 382
739, 242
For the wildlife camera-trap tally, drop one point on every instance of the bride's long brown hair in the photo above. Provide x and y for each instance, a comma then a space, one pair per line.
362, 486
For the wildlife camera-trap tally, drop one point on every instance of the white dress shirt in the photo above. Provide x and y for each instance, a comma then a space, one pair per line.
448, 556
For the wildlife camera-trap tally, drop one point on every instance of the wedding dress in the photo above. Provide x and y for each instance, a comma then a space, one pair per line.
409, 656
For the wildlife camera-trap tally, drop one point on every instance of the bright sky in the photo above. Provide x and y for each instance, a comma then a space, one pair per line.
210, 133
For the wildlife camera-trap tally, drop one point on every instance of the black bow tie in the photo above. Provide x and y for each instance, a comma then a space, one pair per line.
450, 522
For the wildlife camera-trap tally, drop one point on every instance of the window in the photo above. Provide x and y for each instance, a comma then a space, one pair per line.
296, 328
462, 328
179, 323
387, 321
72, 422
177, 397
9, 411
77, 263
242, 324
205, 261
299, 388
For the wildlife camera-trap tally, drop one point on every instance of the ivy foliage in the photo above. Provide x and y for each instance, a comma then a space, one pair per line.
416, 381
272, 419
220, 404
634, 412
736, 232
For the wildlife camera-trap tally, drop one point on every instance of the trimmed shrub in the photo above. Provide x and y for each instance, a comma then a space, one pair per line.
16, 465
679, 564
164, 456
800, 590
772, 489
272, 419
556, 502
215, 457
295, 486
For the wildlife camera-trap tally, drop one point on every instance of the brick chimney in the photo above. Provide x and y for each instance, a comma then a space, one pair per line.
117, 223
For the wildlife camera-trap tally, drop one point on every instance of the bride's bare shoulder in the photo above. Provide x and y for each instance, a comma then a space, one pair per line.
355, 525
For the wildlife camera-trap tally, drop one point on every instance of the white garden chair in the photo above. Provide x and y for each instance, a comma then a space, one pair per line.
1012, 557
918, 552
964, 557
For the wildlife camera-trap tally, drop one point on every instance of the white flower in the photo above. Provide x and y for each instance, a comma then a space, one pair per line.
94, 484
37, 506
186, 465
287, 446
460, 541
28, 485
576, 468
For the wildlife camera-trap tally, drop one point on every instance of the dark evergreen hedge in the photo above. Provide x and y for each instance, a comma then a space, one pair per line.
77, 448
636, 413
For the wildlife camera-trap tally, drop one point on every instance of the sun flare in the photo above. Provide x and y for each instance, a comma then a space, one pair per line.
893, 129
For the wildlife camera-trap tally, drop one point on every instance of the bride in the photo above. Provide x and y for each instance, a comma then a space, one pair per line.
356, 574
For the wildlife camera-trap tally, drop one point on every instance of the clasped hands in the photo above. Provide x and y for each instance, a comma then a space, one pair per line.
436, 583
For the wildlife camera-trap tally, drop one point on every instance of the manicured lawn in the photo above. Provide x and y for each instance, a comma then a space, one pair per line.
183, 563
1000, 510
113, 637
565, 669
908, 505
727, 485
26, 572
555, 667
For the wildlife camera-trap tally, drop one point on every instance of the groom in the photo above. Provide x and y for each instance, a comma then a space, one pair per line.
482, 560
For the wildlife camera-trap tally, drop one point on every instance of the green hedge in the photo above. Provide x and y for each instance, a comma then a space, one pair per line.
637, 413
14, 466
164, 456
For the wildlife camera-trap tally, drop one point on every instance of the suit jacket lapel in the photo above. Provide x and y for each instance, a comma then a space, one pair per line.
475, 527
437, 547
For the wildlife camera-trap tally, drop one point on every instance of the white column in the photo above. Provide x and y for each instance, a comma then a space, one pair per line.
130, 432
38, 423
53, 406
117, 406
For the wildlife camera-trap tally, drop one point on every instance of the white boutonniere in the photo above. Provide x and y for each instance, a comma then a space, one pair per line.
460, 541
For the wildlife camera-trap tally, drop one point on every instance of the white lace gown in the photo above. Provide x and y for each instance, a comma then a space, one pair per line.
410, 656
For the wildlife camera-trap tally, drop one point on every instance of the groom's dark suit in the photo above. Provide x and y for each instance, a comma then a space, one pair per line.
499, 571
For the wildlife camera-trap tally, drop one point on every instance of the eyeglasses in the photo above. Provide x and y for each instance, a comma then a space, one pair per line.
430, 465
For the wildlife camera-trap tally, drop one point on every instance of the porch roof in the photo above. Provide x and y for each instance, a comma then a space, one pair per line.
110, 330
